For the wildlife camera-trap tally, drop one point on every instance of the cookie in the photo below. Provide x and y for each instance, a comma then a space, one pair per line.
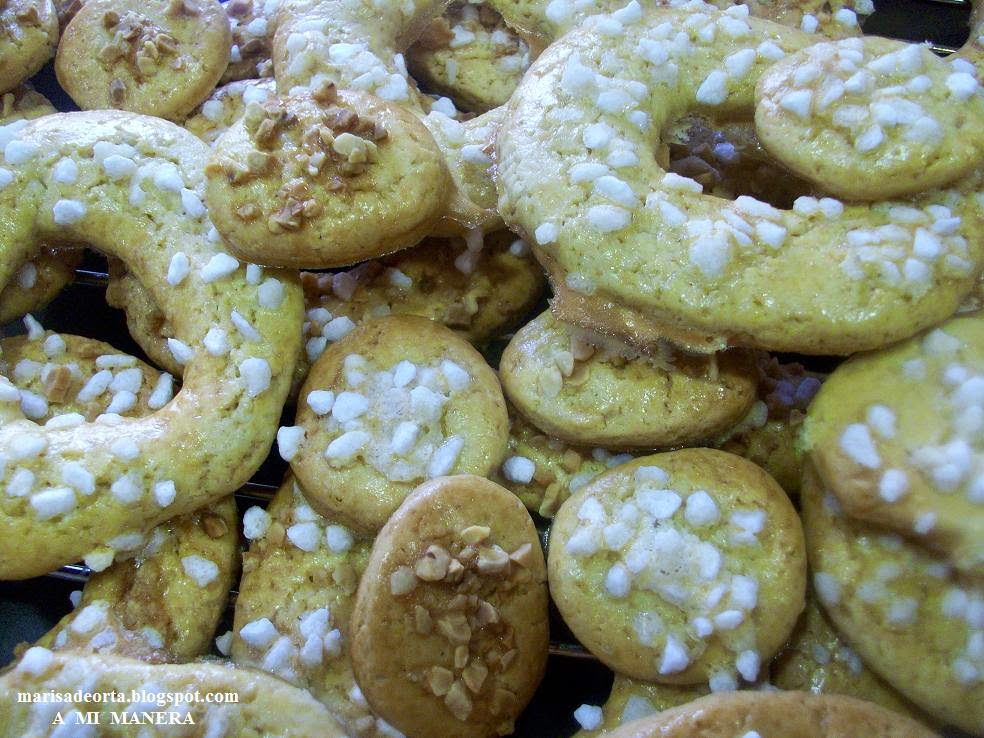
768, 435
912, 620
642, 253
252, 23
111, 179
398, 401
584, 389
263, 705
28, 36
543, 471
225, 106
160, 57
890, 118
682, 567
164, 601
325, 179
294, 604
750, 714
817, 660
470, 55
449, 631
631, 699
897, 436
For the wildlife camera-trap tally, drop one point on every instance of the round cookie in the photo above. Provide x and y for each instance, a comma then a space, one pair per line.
817, 660
225, 106
635, 251
265, 705
158, 57
898, 436
631, 699
164, 602
295, 599
891, 118
682, 567
610, 395
28, 36
23, 103
325, 179
449, 631
470, 55
398, 401
769, 434
793, 714
912, 620
252, 23
543, 471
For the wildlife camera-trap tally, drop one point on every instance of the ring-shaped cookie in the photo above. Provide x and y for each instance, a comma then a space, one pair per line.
131, 186
638, 252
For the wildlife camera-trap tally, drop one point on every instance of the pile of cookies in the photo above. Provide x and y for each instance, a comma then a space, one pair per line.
689, 291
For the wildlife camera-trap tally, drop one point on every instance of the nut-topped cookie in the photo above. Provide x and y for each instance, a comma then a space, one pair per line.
398, 401
449, 632
912, 619
898, 436
28, 35
608, 394
683, 567
159, 57
295, 599
226, 105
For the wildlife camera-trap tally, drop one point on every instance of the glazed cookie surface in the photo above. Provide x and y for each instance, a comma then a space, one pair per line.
470, 55
898, 436
788, 714
159, 57
682, 567
891, 118
912, 620
449, 632
114, 180
265, 705
163, 602
325, 179
615, 397
225, 106
295, 601
398, 401
28, 35
643, 253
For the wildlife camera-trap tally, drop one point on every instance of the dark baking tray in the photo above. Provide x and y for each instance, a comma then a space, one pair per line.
29, 608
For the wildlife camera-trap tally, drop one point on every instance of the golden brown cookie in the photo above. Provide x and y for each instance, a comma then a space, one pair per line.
682, 567
398, 401
263, 705
449, 632
817, 660
164, 602
912, 619
28, 35
294, 604
325, 179
159, 57
608, 394
470, 55
898, 436
763, 714
225, 106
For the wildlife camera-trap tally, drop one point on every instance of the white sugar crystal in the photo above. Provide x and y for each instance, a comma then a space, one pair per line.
445, 458
519, 469
748, 664
306, 536
289, 440
589, 717
258, 633
164, 493
219, 266
256, 521
347, 445
181, 351
35, 661
163, 392
256, 375
216, 341
126, 489
52, 502
857, 443
67, 212
798, 102
244, 327
714, 89
125, 449
338, 539
270, 294
675, 658
701, 509
200, 569
321, 401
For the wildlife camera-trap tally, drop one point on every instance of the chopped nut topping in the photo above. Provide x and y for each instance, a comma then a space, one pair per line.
214, 526
492, 560
455, 571
571, 461
276, 533
440, 680
402, 581
474, 675
523, 555
248, 212
455, 628
458, 603
423, 623
117, 92
503, 701
581, 350
486, 615
111, 19
458, 702
433, 565
475, 534
460, 657
325, 92
507, 658
565, 362
345, 578
28, 16
57, 384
